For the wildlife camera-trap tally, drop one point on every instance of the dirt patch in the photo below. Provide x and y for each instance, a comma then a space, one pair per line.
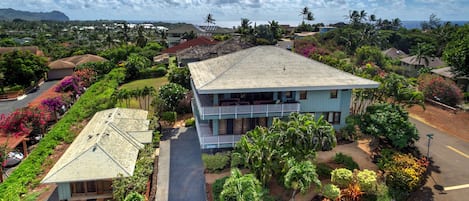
456, 124
360, 152
181, 120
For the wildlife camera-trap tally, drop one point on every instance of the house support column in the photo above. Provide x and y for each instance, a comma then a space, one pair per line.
215, 127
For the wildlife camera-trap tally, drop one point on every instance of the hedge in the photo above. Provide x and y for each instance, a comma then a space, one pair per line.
96, 98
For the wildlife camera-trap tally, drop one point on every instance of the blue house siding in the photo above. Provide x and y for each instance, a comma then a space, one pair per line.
318, 101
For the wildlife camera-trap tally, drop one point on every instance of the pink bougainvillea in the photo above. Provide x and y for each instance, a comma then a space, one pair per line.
23, 121
69, 84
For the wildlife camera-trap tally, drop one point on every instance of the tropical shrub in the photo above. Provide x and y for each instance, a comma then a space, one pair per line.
134, 197
236, 160
171, 94
137, 183
101, 67
87, 77
331, 191
134, 64
23, 121
367, 180
169, 116
390, 122
241, 187
369, 54
217, 188
435, 87
69, 84
216, 162
22, 68
404, 173
180, 76
341, 177
152, 72
323, 170
300, 176
190, 122
347, 161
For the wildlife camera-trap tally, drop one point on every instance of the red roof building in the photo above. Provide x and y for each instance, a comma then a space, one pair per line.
200, 41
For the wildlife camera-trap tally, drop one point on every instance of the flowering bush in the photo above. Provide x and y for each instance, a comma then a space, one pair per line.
23, 121
53, 104
87, 77
437, 88
367, 180
404, 172
69, 84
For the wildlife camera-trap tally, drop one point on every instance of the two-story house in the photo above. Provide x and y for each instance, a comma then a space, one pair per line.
236, 92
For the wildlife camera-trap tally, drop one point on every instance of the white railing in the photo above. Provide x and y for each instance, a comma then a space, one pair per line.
218, 140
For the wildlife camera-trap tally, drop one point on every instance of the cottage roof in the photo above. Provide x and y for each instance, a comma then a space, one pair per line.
432, 61
186, 28
97, 152
268, 68
74, 61
61, 64
394, 53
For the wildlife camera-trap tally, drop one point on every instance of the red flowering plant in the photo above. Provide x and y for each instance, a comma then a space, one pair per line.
87, 76
23, 121
437, 88
54, 105
69, 84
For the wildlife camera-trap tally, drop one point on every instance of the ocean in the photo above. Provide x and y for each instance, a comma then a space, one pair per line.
408, 24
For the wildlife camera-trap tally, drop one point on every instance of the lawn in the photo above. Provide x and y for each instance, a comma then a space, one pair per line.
154, 82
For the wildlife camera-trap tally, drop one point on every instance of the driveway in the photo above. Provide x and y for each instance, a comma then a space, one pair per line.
9, 106
449, 179
186, 177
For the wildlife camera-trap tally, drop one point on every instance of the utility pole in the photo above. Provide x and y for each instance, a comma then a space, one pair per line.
430, 137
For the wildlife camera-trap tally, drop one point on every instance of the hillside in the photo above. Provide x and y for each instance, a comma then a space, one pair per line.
11, 14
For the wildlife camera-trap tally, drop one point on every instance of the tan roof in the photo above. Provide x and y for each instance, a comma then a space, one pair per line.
105, 148
432, 61
446, 72
204, 52
269, 68
32, 49
81, 59
394, 53
61, 64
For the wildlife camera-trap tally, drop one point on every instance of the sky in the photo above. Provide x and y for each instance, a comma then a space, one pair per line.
195, 11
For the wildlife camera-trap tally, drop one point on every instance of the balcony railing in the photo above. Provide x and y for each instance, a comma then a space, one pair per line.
208, 140
281, 109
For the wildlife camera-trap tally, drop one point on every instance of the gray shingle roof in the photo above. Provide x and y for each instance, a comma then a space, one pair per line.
269, 68
105, 148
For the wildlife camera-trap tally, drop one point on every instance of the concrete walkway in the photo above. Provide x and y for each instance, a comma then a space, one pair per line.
184, 179
355, 150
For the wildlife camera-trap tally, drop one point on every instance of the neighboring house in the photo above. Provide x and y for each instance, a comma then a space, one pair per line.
236, 92
199, 41
107, 147
394, 53
462, 82
199, 53
304, 34
33, 49
412, 64
61, 68
175, 35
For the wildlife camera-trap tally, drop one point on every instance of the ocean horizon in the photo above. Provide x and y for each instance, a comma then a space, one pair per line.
408, 24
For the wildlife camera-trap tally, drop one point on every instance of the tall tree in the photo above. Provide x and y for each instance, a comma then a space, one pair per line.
209, 20
457, 52
423, 51
141, 40
22, 68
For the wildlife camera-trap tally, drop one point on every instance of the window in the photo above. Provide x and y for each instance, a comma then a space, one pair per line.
288, 94
303, 95
333, 93
332, 117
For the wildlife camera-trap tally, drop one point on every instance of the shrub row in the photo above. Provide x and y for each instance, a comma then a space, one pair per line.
347, 161
96, 98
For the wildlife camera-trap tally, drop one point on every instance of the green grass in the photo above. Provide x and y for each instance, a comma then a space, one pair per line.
136, 84
154, 82
172, 62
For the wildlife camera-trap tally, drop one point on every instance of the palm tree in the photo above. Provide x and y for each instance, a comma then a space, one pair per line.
300, 176
125, 33
245, 27
275, 29
209, 20
304, 12
241, 187
423, 51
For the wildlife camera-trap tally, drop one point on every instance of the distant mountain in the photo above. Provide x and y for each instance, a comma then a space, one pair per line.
11, 14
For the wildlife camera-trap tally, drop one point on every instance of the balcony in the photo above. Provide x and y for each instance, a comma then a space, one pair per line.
208, 140
243, 109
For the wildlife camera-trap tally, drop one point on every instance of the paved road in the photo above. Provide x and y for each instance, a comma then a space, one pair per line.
9, 106
450, 157
186, 177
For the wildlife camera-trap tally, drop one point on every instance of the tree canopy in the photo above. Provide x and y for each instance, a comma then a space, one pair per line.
22, 68
457, 52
